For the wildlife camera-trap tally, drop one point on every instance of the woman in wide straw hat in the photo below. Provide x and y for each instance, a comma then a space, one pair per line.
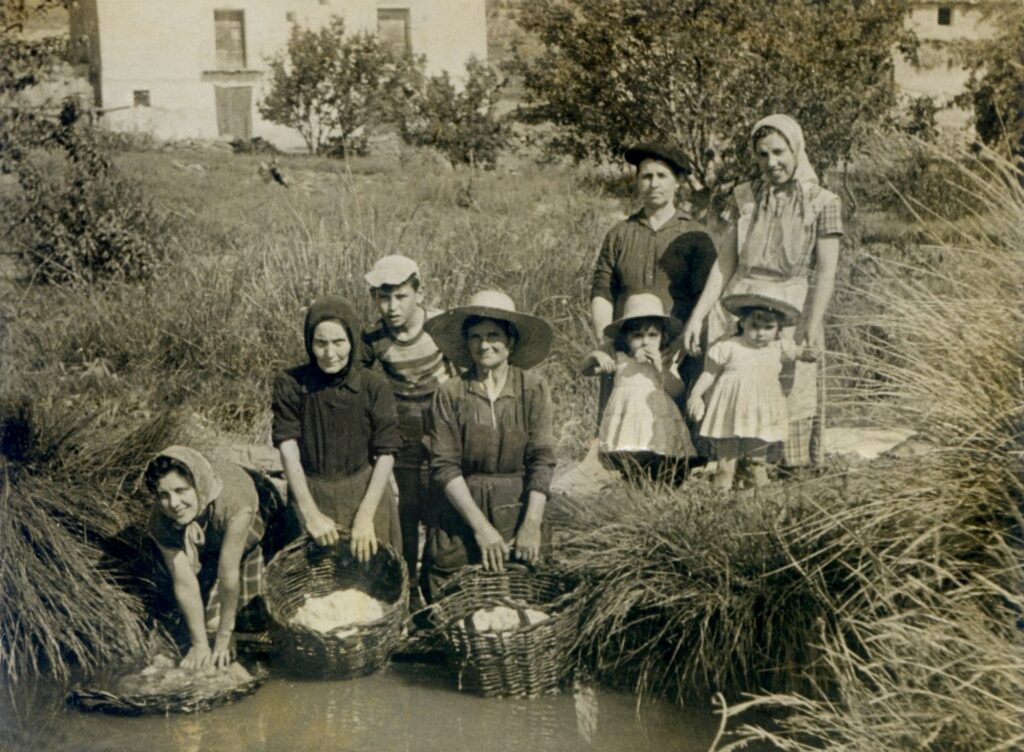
784, 238
491, 440
659, 249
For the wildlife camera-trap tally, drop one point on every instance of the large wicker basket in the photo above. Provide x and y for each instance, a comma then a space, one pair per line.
190, 699
304, 568
526, 661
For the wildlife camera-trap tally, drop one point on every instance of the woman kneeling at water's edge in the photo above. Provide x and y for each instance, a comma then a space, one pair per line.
783, 242
491, 439
204, 511
336, 428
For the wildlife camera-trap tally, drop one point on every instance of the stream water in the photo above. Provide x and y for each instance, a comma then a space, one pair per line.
407, 707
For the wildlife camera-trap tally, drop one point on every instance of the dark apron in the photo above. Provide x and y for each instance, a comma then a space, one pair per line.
339, 498
501, 496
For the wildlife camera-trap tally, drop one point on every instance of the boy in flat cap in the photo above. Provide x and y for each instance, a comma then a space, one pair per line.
415, 368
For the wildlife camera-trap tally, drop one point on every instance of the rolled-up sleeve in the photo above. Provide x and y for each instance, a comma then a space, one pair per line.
604, 269
445, 439
385, 437
830, 219
539, 458
286, 405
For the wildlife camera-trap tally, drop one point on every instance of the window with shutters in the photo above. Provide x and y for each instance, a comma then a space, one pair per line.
393, 29
230, 39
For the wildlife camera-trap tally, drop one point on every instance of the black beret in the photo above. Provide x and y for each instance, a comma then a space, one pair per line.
663, 152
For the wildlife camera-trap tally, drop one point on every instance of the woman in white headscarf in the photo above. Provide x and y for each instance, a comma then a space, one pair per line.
206, 522
784, 237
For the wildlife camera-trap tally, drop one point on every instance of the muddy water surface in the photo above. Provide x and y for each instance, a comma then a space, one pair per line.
405, 708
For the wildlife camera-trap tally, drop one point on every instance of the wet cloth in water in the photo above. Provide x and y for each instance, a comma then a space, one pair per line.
503, 449
203, 538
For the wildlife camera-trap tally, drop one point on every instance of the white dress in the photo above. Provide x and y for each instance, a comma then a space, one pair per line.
747, 400
640, 415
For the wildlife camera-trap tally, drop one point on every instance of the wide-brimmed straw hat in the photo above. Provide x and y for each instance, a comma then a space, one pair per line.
644, 305
533, 333
660, 151
738, 305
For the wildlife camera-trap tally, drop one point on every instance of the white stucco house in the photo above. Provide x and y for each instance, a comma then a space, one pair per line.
197, 68
939, 26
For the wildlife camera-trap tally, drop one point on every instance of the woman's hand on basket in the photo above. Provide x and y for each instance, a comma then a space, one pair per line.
198, 656
223, 650
526, 544
364, 539
320, 527
493, 548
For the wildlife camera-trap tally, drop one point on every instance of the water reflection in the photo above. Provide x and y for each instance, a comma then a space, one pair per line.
409, 707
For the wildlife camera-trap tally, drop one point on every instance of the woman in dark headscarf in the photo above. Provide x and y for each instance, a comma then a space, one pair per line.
785, 242
205, 511
337, 430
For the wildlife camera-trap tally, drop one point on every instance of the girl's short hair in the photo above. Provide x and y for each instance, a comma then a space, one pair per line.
160, 467
759, 316
632, 325
506, 326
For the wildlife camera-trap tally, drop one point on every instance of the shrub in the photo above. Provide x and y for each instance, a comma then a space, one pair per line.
463, 124
83, 221
331, 87
995, 90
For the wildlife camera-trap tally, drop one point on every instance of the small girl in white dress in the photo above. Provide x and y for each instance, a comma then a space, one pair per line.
642, 428
746, 414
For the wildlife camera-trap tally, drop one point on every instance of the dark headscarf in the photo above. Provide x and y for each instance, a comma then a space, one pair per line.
336, 308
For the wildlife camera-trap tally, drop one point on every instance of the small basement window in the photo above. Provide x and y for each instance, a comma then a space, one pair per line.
945, 16
141, 97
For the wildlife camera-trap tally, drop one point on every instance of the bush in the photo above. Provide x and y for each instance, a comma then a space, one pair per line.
82, 221
460, 124
995, 90
331, 86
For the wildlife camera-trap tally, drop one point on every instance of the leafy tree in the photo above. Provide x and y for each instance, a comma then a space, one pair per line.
701, 72
331, 86
24, 63
461, 124
995, 90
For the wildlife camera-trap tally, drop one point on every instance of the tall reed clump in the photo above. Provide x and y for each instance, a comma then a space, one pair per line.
930, 653
64, 510
875, 607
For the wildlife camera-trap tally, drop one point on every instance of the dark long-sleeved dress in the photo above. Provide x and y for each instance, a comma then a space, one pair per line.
342, 426
504, 450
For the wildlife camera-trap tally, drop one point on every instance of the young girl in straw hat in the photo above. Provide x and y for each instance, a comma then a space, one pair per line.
641, 427
746, 415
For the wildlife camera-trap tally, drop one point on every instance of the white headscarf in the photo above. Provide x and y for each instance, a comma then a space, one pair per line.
794, 220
